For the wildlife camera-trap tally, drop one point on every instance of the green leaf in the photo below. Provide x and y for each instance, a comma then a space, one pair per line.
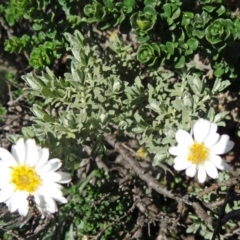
28, 133
197, 85
179, 106
176, 13
200, 34
210, 115
221, 10
170, 48
209, 8
151, 2
45, 91
159, 157
37, 27
220, 85
143, 39
187, 18
129, 3
219, 72
151, 12
148, 53
167, 10
143, 24
180, 63
108, 3
192, 43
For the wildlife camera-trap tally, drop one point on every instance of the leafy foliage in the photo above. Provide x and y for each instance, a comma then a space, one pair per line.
96, 93
43, 40
97, 207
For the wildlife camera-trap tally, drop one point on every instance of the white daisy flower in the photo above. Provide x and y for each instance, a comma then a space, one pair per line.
198, 151
27, 172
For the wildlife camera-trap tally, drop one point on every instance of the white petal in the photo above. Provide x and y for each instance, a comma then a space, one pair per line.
12, 206
184, 138
5, 172
201, 174
7, 157
23, 209
180, 160
212, 136
17, 200
182, 165
52, 165
60, 199
60, 177
191, 171
43, 157
32, 152
201, 130
55, 164
223, 145
50, 204
179, 150
18, 151
211, 139
219, 162
6, 193
211, 169
39, 200
174, 151
52, 189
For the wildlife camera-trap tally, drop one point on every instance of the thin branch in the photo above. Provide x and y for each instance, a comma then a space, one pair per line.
227, 183
221, 213
98, 160
220, 202
11, 233
230, 215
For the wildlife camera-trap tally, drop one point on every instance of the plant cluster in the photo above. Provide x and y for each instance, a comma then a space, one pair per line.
171, 32
98, 94
43, 41
168, 32
114, 112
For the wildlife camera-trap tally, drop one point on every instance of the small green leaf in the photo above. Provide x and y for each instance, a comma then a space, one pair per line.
170, 48
180, 63
167, 10
108, 3
221, 10
209, 8
219, 72
37, 27
143, 24
176, 13
187, 18
192, 43
129, 3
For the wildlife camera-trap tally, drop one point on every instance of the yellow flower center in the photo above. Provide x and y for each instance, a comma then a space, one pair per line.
198, 153
25, 178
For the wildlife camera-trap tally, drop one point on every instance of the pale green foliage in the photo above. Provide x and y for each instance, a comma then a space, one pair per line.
110, 87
